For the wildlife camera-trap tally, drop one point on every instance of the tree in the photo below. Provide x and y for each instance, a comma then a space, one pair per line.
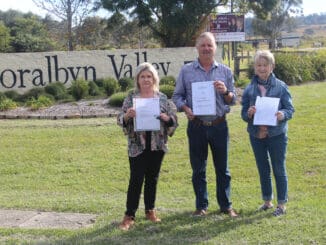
115, 26
92, 34
272, 27
4, 38
174, 22
30, 35
9, 17
123, 33
262, 8
71, 12
56, 31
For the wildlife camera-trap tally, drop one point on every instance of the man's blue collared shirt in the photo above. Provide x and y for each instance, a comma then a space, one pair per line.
194, 72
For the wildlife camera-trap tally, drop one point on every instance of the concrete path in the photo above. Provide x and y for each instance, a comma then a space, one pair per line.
44, 220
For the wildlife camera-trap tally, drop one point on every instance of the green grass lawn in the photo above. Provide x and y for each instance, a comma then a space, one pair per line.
82, 166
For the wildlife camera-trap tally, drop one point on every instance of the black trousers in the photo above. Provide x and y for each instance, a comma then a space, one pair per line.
145, 166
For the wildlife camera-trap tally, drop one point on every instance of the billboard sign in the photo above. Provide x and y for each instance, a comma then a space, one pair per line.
227, 27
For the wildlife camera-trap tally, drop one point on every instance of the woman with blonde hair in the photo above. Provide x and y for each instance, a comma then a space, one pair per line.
269, 143
146, 149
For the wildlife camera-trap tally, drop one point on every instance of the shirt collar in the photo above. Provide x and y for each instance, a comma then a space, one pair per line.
198, 65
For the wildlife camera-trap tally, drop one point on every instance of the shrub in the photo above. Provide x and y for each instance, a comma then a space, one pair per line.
32, 93
117, 99
167, 90
2, 96
57, 90
69, 98
295, 68
319, 65
41, 102
126, 83
110, 86
169, 80
99, 82
12, 94
131, 90
242, 83
79, 89
291, 69
7, 104
93, 89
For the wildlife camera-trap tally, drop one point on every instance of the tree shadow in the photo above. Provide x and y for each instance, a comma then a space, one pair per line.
175, 228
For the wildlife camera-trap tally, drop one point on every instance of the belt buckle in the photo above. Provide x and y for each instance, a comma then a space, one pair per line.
207, 123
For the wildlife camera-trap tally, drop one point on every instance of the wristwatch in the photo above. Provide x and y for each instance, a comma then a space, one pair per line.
227, 92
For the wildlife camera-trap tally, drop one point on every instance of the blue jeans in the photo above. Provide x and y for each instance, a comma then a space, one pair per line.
217, 137
275, 149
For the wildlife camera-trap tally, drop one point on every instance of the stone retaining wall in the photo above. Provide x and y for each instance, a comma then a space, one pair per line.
23, 71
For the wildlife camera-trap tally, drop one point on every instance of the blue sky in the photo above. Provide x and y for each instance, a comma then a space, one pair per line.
309, 6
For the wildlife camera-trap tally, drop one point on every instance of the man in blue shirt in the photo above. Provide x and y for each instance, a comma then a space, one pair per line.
207, 130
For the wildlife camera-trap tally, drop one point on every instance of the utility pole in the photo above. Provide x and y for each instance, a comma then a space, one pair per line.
234, 50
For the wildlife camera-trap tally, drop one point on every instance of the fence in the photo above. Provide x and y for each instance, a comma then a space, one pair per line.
243, 57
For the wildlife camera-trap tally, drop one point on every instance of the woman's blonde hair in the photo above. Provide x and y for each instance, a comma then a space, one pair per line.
147, 67
264, 54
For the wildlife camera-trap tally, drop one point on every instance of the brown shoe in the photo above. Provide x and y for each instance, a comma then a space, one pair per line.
231, 212
127, 222
199, 213
151, 215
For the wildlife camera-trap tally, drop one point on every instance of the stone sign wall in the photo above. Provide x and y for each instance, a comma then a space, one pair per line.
23, 71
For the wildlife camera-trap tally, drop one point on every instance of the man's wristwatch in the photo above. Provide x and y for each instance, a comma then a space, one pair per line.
227, 92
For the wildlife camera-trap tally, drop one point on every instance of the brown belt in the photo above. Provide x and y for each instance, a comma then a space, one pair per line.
209, 123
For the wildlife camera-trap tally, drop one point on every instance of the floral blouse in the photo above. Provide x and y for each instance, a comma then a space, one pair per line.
137, 139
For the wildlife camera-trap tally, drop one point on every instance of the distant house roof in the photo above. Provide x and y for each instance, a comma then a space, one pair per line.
290, 35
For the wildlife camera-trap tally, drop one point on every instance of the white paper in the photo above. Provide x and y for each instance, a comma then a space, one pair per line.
266, 108
147, 111
203, 98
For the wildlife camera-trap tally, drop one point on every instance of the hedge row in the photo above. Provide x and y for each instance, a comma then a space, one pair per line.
37, 98
41, 97
296, 68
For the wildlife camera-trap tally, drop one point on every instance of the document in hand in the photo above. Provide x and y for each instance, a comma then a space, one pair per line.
203, 98
266, 108
147, 111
